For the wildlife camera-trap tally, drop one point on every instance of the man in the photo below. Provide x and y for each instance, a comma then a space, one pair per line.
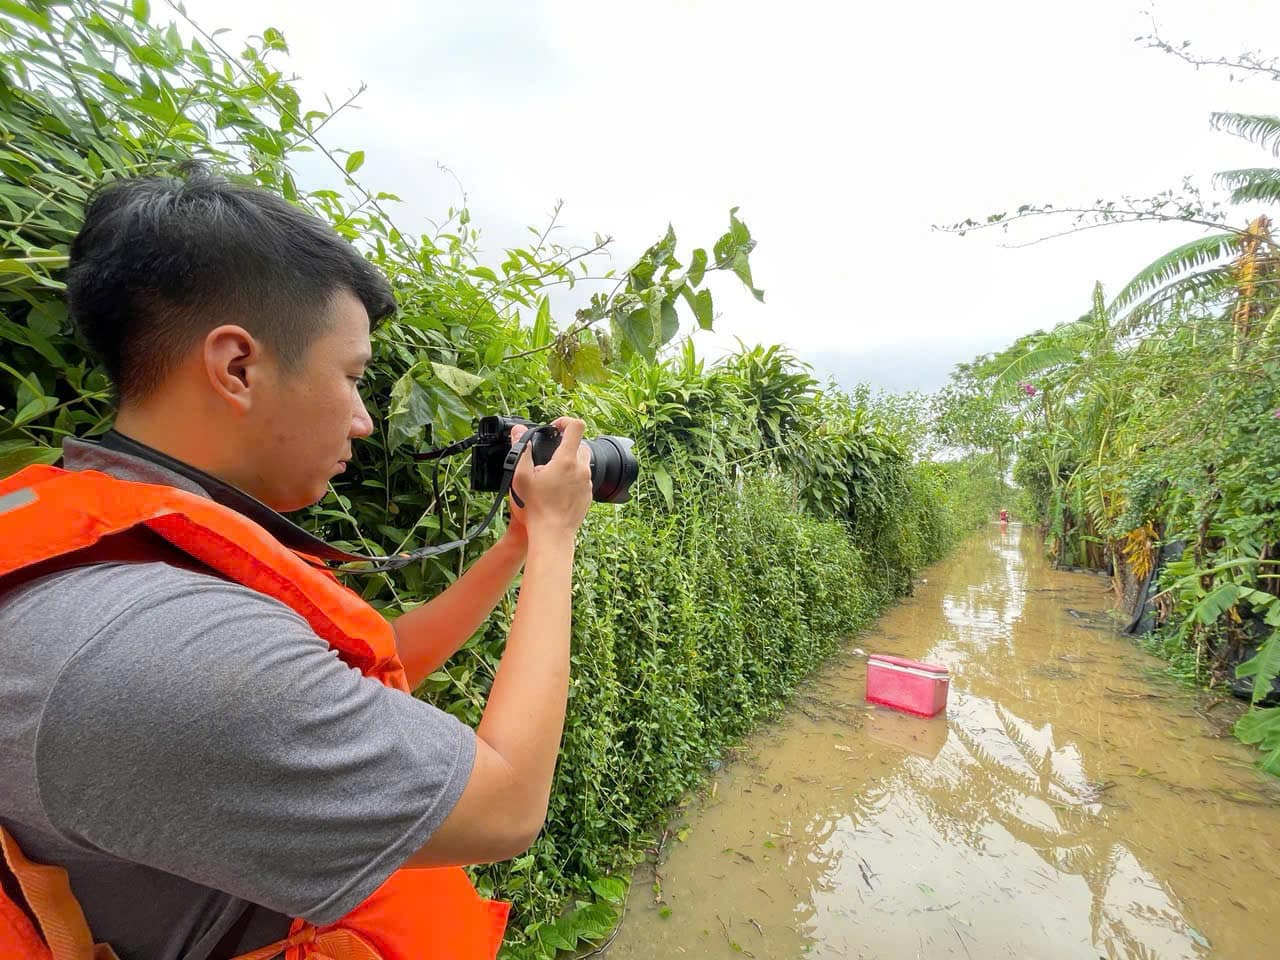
174, 731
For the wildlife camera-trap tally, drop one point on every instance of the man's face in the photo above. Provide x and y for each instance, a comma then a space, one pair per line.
305, 429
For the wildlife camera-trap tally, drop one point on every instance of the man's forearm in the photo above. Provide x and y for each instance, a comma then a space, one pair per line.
524, 715
429, 635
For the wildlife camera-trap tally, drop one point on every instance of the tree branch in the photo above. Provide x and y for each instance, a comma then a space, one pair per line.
1249, 60
285, 111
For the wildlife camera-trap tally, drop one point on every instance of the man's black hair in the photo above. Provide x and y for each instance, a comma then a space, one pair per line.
161, 261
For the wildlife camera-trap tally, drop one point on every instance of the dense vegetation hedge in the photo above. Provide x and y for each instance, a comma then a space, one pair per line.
772, 518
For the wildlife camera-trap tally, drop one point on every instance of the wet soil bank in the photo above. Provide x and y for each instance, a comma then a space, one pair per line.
1070, 804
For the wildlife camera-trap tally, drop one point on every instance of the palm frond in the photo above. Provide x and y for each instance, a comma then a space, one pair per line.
1168, 268
1202, 285
1074, 331
1251, 184
1100, 313
1257, 128
1025, 367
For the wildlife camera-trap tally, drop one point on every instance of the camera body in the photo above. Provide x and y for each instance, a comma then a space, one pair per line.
493, 440
613, 465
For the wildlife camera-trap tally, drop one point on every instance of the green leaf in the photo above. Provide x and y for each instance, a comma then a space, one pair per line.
612, 889
1264, 666
560, 935
141, 10
697, 266
640, 276
1262, 727
742, 267
542, 323
355, 160
459, 381
13, 265
700, 303
561, 372
663, 479
33, 409
27, 13
13, 460
637, 328
594, 921
670, 322
151, 56
166, 112
410, 408
588, 364
1217, 603
32, 337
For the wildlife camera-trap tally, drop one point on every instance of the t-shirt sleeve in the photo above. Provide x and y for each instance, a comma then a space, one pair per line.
207, 731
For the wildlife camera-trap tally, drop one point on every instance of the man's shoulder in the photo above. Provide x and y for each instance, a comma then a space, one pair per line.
114, 652
110, 611
101, 592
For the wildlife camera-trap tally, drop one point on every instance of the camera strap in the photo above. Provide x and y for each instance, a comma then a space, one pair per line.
289, 533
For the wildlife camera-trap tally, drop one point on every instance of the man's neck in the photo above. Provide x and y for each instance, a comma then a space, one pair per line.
193, 439
162, 433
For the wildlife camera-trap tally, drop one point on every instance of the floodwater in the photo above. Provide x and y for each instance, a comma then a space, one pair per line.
1070, 804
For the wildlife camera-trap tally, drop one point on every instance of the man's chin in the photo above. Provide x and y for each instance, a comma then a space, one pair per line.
300, 501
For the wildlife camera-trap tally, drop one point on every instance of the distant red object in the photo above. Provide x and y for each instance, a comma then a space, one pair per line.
907, 685
1004, 515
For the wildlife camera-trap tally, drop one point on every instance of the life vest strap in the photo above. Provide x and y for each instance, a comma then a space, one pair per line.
47, 891
305, 942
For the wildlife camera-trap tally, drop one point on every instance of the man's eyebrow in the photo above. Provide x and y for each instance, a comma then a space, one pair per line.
364, 357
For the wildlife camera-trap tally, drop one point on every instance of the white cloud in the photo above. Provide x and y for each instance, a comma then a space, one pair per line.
842, 130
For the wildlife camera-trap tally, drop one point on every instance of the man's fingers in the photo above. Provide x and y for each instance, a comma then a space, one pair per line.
524, 466
571, 432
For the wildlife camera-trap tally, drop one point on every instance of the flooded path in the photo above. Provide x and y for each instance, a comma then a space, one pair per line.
1069, 805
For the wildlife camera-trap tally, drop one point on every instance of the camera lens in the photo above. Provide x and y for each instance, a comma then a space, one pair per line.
613, 469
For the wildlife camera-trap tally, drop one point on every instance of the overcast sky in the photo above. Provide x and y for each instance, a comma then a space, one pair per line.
843, 131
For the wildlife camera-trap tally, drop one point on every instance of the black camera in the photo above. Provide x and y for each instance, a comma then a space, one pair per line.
613, 466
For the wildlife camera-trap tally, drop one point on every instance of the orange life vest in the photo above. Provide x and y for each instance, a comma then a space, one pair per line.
46, 516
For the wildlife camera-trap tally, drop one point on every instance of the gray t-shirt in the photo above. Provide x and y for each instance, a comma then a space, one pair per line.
185, 746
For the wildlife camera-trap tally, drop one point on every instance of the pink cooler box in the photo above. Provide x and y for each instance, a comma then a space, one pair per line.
907, 685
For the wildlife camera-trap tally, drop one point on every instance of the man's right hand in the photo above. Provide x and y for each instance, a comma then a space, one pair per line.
556, 494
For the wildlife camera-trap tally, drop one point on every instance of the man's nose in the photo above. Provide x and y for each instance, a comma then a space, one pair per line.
361, 422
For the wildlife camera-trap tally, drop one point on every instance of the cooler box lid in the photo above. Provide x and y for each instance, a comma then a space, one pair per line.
884, 659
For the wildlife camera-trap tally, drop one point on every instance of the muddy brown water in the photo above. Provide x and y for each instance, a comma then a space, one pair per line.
1070, 804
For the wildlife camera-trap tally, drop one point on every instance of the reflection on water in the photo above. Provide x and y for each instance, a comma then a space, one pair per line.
1066, 806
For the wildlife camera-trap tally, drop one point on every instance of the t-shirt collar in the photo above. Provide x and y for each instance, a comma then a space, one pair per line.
77, 455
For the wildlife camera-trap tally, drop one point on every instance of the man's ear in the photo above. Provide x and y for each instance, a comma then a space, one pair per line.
233, 362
